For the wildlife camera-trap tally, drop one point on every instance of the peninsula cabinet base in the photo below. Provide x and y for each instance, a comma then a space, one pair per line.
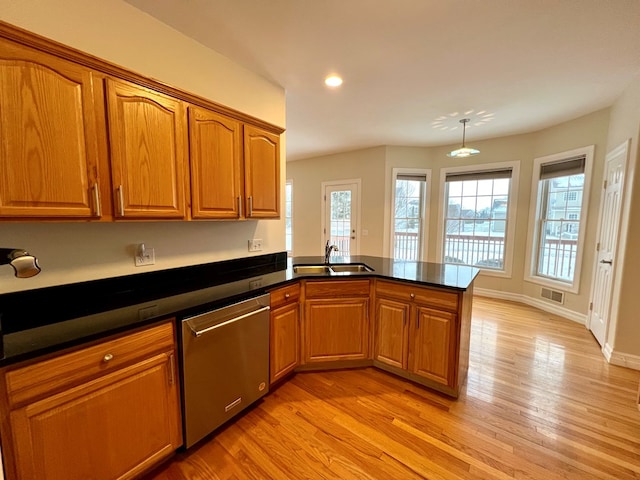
420, 380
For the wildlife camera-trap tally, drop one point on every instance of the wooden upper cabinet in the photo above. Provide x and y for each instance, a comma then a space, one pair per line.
262, 173
48, 136
149, 152
216, 165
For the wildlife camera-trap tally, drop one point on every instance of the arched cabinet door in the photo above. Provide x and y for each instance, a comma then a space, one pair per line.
262, 173
149, 152
48, 137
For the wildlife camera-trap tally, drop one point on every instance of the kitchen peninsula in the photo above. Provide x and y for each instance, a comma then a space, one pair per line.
76, 353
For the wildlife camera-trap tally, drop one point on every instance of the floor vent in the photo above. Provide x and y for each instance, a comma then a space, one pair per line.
552, 295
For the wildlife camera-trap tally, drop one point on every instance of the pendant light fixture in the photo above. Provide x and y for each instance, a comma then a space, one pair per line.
463, 151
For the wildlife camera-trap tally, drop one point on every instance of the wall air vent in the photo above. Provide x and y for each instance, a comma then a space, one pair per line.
552, 295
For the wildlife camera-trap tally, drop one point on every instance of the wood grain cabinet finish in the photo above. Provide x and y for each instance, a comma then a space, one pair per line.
284, 332
48, 136
149, 151
106, 411
261, 173
336, 321
418, 333
216, 165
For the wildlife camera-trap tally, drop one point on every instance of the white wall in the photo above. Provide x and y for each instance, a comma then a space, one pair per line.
118, 32
375, 165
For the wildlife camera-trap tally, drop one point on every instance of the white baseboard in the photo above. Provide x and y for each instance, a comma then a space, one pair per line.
612, 357
547, 307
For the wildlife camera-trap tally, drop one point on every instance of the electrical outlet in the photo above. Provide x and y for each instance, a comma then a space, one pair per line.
145, 256
255, 245
257, 283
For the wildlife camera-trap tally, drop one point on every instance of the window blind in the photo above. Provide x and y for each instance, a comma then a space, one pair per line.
416, 177
479, 175
563, 168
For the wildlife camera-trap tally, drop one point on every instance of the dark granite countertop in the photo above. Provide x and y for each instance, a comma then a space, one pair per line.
41, 321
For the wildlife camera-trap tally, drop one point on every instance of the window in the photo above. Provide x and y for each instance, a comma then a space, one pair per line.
479, 208
288, 216
409, 193
557, 219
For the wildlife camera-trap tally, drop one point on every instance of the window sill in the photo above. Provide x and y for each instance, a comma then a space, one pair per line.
556, 285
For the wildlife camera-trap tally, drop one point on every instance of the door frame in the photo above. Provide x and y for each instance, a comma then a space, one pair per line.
610, 327
323, 224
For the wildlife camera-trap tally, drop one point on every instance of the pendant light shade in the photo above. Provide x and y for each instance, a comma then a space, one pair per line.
463, 151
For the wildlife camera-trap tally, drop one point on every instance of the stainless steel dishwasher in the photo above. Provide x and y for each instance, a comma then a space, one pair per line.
225, 364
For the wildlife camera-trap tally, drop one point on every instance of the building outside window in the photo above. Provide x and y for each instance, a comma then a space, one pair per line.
559, 186
408, 233
479, 209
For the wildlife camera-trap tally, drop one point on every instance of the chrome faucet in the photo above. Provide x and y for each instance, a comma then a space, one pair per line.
327, 251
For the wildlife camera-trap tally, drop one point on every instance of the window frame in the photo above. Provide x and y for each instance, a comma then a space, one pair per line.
510, 233
288, 183
535, 207
424, 219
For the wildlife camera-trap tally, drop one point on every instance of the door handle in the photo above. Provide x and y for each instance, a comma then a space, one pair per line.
608, 262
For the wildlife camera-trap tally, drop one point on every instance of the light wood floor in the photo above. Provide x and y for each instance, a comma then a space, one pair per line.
540, 403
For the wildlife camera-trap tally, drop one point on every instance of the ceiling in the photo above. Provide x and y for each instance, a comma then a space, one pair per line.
413, 68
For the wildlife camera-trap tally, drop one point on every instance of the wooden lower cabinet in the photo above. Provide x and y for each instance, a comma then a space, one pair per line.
433, 345
420, 332
336, 321
391, 332
68, 422
284, 332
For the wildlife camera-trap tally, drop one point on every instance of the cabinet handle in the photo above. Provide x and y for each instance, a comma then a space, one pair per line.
121, 200
413, 295
286, 295
250, 205
96, 199
172, 375
107, 358
240, 207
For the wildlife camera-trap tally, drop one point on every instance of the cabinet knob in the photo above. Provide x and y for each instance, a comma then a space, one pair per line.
413, 295
286, 295
107, 358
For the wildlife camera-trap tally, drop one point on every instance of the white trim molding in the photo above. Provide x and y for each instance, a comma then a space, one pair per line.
621, 359
533, 302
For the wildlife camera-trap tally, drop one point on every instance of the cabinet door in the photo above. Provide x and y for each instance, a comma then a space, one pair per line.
48, 136
149, 151
434, 347
336, 329
261, 173
216, 165
113, 427
391, 337
285, 340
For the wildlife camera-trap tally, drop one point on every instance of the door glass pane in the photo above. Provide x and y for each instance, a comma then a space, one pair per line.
340, 221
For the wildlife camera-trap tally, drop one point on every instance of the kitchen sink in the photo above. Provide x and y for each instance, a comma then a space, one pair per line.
337, 268
351, 268
310, 269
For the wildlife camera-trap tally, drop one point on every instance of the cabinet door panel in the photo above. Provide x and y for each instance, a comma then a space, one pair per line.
434, 347
48, 136
113, 427
285, 340
216, 169
262, 173
336, 329
391, 332
148, 152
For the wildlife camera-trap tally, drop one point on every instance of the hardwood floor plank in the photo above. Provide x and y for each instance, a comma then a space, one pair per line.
540, 403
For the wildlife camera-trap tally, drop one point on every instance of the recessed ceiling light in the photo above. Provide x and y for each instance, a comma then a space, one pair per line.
333, 81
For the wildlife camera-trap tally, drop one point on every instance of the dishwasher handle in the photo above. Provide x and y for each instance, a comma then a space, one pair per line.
197, 333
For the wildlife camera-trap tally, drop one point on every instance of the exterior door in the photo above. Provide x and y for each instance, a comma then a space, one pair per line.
341, 217
608, 226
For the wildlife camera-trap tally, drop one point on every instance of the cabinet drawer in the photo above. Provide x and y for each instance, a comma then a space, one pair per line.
337, 288
58, 373
423, 295
284, 295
